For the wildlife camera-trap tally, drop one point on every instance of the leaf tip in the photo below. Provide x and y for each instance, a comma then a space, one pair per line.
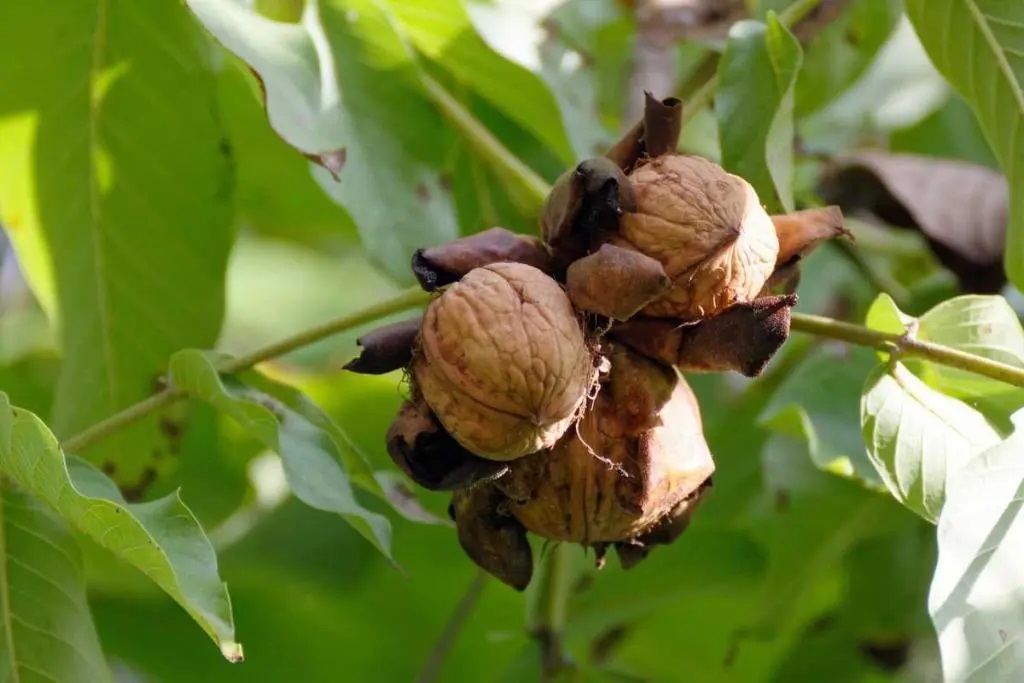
232, 651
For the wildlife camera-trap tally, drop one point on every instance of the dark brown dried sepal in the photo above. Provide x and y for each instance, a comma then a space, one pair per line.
431, 457
615, 282
801, 232
492, 538
444, 264
584, 208
665, 532
386, 349
743, 338
656, 134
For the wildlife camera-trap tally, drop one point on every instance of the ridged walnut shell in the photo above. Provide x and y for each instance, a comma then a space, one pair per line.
707, 228
638, 453
503, 361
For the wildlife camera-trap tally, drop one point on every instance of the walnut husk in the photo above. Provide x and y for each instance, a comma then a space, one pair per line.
490, 536
638, 453
446, 263
427, 454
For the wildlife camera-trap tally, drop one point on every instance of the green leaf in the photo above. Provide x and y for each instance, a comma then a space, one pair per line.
296, 430
817, 403
978, 45
975, 599
985, 326
556, 40
917, 438
441, 30
46, 630
115, 183
160, 538
885, 316
950, 132
344, 87
276, 194
754, 107
840, 54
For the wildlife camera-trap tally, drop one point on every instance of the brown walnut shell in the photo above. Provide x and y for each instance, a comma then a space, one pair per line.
503, 361
633, 458
707, 228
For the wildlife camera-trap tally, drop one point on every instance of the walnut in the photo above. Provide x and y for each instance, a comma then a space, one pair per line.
635, 457
706, 227
503, 361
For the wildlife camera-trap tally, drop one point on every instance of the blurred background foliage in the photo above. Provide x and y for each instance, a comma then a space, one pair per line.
789, 572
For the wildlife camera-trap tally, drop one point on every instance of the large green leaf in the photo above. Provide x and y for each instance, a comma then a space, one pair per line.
310, 447
917, 438
985, 326
975, 598
115, 183
557, 41
838, 55
818, 402
276, 194
46, 630
160, 538
979, 46
754, 107
441, 29
344, 87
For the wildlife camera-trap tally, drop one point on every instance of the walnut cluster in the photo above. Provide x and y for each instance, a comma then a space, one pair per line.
547, 374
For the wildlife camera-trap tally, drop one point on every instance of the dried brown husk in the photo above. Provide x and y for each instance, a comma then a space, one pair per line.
743, 338
446, 263
615, 283
490, 536
638, 453
427, 453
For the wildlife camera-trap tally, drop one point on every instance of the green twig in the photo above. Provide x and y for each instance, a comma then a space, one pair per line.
549, 609
403, 301
458, 619
907, 346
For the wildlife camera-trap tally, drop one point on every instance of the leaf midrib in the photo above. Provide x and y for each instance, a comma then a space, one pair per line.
5, 603
99, 37
981, 20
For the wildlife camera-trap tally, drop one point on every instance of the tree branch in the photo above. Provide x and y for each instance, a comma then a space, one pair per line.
906, 345
403, 301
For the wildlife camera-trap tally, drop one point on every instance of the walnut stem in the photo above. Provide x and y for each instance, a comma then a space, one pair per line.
413, 297
549, 608
906, 345
432, 667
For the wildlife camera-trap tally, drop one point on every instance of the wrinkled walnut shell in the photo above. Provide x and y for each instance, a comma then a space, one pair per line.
708, 230
503, 361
